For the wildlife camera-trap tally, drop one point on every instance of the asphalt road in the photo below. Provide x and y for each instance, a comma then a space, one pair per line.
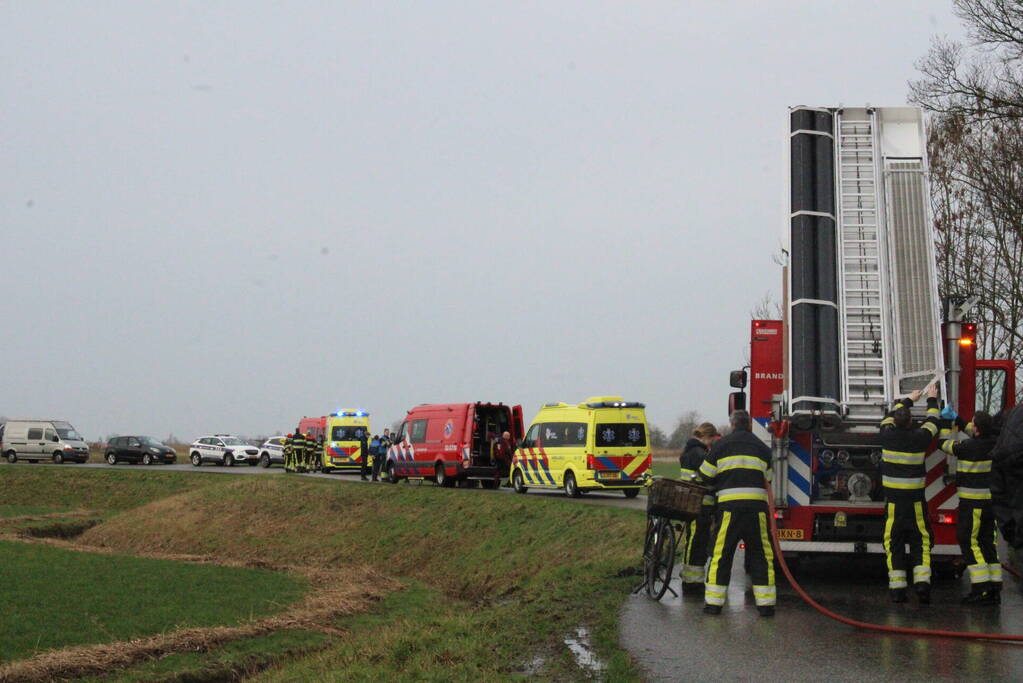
673, 640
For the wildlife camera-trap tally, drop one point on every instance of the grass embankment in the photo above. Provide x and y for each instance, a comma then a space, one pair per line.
53, 597
494, 581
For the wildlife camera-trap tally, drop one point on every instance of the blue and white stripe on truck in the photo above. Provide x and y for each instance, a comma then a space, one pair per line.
798, 464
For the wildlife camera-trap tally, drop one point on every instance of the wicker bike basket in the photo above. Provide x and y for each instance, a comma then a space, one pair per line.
675, 499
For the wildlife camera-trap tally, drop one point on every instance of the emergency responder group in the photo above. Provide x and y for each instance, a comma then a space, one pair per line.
306, 453
737, 471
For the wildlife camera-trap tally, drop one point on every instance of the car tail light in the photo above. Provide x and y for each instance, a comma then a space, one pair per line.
589, 462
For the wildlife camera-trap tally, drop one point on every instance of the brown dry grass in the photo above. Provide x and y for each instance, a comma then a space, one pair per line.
328, 600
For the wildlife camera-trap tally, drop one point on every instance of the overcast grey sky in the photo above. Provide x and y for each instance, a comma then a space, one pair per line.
222, 216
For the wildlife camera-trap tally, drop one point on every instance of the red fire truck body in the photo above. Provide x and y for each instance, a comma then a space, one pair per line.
827, 483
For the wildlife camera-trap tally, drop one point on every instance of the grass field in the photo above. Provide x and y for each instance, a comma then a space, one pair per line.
53, 597
493, 583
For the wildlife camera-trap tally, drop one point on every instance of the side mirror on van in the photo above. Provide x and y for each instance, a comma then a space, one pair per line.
737, 379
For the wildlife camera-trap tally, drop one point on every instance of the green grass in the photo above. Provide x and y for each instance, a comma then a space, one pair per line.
53, 597
666, 468
494, 581
228, 662
71, 488
25, 510
507, 576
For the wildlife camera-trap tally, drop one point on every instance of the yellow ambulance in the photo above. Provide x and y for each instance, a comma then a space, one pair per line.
599, 444
341, 434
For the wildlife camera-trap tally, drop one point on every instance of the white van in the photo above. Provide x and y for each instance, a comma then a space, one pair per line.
53, 440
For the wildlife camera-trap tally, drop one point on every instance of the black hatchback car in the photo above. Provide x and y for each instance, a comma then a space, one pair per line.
143, 449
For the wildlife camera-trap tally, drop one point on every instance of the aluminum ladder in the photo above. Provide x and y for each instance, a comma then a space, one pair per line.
862, 267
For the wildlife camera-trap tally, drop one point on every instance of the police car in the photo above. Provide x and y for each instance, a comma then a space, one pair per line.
272, 451
222, 449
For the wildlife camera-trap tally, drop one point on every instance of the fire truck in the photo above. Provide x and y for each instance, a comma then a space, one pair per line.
862, 325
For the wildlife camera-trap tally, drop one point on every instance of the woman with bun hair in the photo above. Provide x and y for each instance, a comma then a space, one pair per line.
694, 558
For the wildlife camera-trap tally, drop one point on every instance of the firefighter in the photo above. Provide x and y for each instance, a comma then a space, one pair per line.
694, 555
364, 471
289, 453
737, 469
299, 447
904, 476
975, 528
314, 452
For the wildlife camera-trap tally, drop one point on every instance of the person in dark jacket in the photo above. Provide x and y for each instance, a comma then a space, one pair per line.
904, 477
1007, 481
383, 443
694, 555
738, 469
975, 527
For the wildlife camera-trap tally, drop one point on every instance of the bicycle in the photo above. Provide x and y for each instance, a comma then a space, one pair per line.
671, 506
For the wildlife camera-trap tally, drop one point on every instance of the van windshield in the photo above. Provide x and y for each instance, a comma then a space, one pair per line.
67, 432
340, 433
613, 435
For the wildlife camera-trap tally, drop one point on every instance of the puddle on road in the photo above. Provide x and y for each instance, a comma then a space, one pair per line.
583, 652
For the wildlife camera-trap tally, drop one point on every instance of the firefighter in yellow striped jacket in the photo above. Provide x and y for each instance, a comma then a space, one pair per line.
694, 556
737, 469
904, 476
975, 528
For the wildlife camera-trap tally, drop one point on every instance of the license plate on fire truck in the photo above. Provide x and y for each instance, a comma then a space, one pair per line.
790, 534
609, 475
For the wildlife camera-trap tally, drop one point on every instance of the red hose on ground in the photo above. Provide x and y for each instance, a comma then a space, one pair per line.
874, 627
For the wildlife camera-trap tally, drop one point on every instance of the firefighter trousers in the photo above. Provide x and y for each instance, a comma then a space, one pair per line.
697, 550
750, 526
977, 538
906, 523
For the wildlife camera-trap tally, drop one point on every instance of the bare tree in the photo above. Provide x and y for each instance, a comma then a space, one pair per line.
687, 422
982, 80
767, 308
975, 146
658, 439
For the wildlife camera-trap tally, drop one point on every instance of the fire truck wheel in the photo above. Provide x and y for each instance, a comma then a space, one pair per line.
517, 483
630, 493
441, 477
571, 488
391, 476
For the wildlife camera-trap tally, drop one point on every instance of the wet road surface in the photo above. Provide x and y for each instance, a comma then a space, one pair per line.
673, 640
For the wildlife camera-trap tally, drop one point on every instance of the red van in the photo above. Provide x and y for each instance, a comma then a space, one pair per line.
453, 442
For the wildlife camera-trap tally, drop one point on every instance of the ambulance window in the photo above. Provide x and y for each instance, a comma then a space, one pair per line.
418, 431
560, 434
620, 434
530, 440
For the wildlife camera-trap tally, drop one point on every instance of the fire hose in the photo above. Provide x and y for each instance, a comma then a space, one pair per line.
904, 630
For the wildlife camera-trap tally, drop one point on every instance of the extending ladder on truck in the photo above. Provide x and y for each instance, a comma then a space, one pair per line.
865, 360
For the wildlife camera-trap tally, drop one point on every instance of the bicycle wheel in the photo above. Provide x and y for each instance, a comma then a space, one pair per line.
661, 560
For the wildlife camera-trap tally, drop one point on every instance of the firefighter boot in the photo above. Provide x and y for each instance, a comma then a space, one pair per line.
712, 609
897, 594
923, 592
693, 590
766, 610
